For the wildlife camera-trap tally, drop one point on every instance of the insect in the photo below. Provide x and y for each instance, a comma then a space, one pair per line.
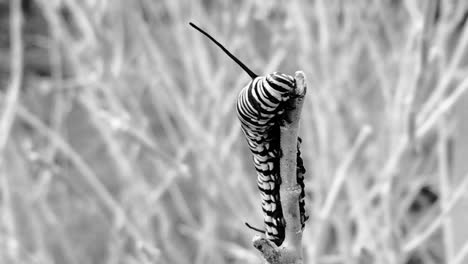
260, 106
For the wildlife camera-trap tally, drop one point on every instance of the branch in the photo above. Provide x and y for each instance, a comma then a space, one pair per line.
289, 189
291, 250
16, 73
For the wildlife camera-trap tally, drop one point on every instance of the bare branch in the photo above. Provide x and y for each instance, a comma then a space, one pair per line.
291, 249
289, 189
16, 73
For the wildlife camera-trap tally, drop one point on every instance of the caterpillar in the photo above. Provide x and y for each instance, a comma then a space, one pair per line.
260, 106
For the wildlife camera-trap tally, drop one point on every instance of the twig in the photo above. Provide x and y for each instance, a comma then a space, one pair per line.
16, 72
340, 175
444, 171
457, 194
122, 221
8, 113
291, 249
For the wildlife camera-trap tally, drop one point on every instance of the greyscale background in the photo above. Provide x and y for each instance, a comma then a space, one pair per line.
119, 140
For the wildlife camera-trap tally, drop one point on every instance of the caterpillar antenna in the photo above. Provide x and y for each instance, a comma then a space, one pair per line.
234, 58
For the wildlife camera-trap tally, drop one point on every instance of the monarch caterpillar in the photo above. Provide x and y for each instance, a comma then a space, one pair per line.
260, 106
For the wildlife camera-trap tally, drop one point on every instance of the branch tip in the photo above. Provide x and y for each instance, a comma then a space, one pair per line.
301, 86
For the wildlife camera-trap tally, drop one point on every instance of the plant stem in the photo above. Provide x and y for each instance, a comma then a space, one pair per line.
291, 249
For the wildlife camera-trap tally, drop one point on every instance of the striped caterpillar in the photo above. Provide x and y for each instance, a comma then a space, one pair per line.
260, 106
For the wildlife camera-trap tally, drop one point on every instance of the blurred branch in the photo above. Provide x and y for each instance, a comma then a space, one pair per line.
340, 175
6, 120
445, 170
122, 222
430, 18
447, 75
16, 72
416, 240
290, 191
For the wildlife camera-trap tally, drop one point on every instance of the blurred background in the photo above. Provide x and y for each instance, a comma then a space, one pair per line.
120, 142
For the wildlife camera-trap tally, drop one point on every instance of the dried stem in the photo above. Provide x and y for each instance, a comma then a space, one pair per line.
16, 73
291, 249
7, 116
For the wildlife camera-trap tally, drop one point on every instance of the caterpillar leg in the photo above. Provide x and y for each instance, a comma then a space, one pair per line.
300, 171
255, 228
